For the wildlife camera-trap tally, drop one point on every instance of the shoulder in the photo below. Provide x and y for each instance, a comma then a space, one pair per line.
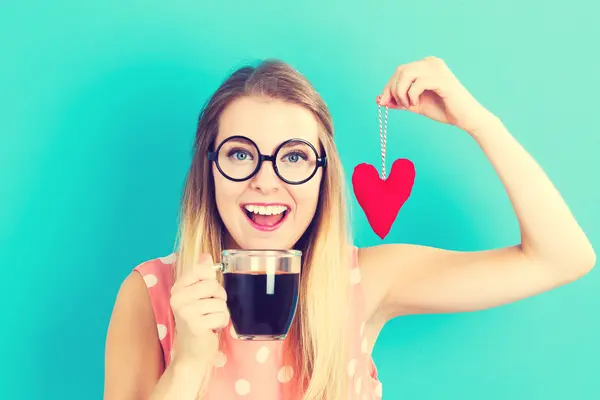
143, 300
146, 281
135, 288
158, 276
133, 355
133, 304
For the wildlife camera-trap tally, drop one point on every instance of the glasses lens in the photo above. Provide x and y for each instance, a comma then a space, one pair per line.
296, 161
238, 158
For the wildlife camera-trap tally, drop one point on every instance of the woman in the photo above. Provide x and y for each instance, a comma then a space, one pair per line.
327, 353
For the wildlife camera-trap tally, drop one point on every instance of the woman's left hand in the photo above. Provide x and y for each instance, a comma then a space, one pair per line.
429, 88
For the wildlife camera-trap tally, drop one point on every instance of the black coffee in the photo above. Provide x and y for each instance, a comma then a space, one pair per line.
260, 303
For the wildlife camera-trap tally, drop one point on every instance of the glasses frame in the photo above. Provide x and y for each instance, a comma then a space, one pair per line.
214, 157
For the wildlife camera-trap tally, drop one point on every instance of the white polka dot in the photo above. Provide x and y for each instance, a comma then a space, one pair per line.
150, 280
378, 390
162, 331
362, 328
262, 354
220, 360
285, 374
242, 387
232, 332
357, 385
364, 346
355, 276
351, 368
170, 259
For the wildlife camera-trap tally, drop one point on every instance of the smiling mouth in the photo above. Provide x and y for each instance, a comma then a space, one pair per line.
266, 218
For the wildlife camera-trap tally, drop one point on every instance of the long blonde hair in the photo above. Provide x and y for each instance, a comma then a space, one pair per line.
317, 343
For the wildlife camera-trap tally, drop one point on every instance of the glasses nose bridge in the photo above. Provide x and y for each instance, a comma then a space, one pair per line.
267, 157
259, 170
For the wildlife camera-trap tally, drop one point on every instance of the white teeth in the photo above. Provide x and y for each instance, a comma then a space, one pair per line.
268, 210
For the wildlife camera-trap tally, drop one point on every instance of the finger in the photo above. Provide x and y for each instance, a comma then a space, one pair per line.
216, 321
416, 90
384, 98
201, 271
391, 103
204, 307
395, 100
198, 291
402, 84
196, 274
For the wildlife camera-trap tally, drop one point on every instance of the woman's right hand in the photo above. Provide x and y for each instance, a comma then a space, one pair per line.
199, 307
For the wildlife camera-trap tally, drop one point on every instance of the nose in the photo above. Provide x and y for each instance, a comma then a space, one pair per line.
265, 180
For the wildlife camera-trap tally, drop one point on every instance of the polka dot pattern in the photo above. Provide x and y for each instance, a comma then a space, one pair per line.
255, 370
220, 360
168, 260
358, 385
150, 280
378, 390
285, 374
242, 387
262, 354
352, 368
162, 331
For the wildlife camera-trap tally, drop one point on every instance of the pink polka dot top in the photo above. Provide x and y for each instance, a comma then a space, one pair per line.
254, 370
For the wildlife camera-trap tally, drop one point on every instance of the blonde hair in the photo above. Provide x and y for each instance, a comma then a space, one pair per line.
317, 344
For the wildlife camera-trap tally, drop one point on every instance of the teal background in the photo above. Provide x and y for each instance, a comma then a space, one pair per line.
98, 105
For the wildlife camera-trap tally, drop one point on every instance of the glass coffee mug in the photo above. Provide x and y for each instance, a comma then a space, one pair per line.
262, 291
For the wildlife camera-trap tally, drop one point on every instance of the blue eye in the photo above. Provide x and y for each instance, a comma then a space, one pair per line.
295, 157
239, 155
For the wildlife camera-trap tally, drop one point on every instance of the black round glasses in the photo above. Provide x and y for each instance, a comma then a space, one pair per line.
295, 161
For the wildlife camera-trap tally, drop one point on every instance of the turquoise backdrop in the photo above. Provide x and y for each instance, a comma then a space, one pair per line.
98, 105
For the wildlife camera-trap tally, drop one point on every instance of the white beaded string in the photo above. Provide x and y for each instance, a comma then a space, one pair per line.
383, 138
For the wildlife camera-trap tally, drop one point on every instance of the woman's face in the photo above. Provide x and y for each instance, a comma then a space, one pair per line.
264, 212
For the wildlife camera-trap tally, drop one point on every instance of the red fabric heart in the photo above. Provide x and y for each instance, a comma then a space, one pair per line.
380, 199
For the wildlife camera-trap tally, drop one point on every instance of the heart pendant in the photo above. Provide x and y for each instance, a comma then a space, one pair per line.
380, 199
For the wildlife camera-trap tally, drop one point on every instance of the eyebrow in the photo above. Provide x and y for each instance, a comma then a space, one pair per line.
318, 147
235, 140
